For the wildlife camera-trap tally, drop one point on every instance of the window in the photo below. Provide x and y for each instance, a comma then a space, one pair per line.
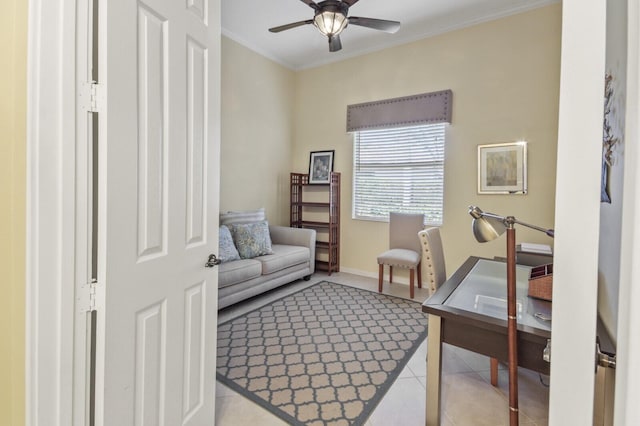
399, 169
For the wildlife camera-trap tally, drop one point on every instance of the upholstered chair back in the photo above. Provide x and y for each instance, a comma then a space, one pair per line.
403, 228
433, 264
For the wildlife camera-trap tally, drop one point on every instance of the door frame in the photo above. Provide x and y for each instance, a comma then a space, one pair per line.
627, 392
577, 215
56, 209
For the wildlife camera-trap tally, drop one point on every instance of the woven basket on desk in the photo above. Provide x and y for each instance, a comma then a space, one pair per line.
541, 282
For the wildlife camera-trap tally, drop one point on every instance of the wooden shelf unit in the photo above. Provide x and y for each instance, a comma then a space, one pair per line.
324, 216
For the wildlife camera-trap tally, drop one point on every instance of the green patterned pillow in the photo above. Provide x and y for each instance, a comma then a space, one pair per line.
226, 250
251, 239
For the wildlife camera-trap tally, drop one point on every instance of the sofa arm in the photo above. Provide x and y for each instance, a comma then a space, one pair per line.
295, 237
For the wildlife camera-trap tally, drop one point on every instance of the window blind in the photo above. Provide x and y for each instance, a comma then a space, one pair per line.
399, 169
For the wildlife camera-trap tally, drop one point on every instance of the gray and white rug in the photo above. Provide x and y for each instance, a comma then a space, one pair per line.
325, 355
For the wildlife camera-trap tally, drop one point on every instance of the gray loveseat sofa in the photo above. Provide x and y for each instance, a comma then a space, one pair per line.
292, 258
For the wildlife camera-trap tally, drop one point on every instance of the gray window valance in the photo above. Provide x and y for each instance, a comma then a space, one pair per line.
426, 108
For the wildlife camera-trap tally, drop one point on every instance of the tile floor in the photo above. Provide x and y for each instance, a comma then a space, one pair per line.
467, 395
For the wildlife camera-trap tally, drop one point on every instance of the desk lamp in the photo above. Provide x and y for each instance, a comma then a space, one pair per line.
487, 227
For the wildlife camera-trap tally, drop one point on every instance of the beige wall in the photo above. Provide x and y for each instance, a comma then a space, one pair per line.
257, 114
13, 93
505, 80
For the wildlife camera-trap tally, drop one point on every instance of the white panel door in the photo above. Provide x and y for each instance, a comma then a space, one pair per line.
159, 172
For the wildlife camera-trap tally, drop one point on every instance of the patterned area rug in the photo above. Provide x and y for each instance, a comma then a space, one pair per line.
323, 356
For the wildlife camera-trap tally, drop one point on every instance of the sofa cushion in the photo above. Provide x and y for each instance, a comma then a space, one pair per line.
226, 249
251, 239
231, 273
243, 290
283, 257
245, 216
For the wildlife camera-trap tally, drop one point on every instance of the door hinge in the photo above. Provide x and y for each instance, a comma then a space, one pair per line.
91, 97
92, 294
88, 300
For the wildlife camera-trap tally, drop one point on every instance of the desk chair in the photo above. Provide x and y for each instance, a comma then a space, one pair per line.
433, 266
436, 273
404, 248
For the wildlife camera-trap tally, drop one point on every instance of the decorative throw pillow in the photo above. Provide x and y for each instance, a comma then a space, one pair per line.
252, 239
227, 250
246, 216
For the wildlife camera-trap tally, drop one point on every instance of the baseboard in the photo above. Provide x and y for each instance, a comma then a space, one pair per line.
396, 279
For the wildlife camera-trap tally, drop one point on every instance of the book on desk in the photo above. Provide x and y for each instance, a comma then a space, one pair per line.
533, 254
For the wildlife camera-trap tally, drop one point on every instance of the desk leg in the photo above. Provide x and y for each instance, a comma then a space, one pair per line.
494, 371
434, 366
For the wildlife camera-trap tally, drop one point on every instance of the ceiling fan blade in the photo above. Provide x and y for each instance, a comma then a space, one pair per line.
312, 4
350, 2
289, 26
376, 24
334, 43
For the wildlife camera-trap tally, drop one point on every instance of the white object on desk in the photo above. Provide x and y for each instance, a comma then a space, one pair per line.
535, 248
494, 306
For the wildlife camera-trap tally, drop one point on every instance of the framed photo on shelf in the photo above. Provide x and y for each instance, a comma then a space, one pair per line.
502, 168
320, 167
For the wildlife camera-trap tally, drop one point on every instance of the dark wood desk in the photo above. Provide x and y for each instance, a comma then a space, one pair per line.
469, 311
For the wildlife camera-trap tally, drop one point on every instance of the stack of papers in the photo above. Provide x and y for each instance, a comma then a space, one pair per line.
535, 248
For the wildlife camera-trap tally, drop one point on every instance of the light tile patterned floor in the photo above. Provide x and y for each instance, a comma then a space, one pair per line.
467, 395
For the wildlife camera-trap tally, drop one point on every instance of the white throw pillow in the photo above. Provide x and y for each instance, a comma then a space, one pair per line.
246, 216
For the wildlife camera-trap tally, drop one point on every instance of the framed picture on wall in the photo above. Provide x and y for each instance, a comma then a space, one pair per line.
320, 166
502, 168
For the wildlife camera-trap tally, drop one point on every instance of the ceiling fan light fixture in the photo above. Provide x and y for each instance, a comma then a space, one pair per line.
330, 23
332, 16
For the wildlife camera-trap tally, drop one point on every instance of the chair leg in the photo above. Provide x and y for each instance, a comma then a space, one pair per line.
494, 371
380, 273
411, 276
390, 274
419, 269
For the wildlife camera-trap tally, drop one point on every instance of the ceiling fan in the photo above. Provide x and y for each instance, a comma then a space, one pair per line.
331, 18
